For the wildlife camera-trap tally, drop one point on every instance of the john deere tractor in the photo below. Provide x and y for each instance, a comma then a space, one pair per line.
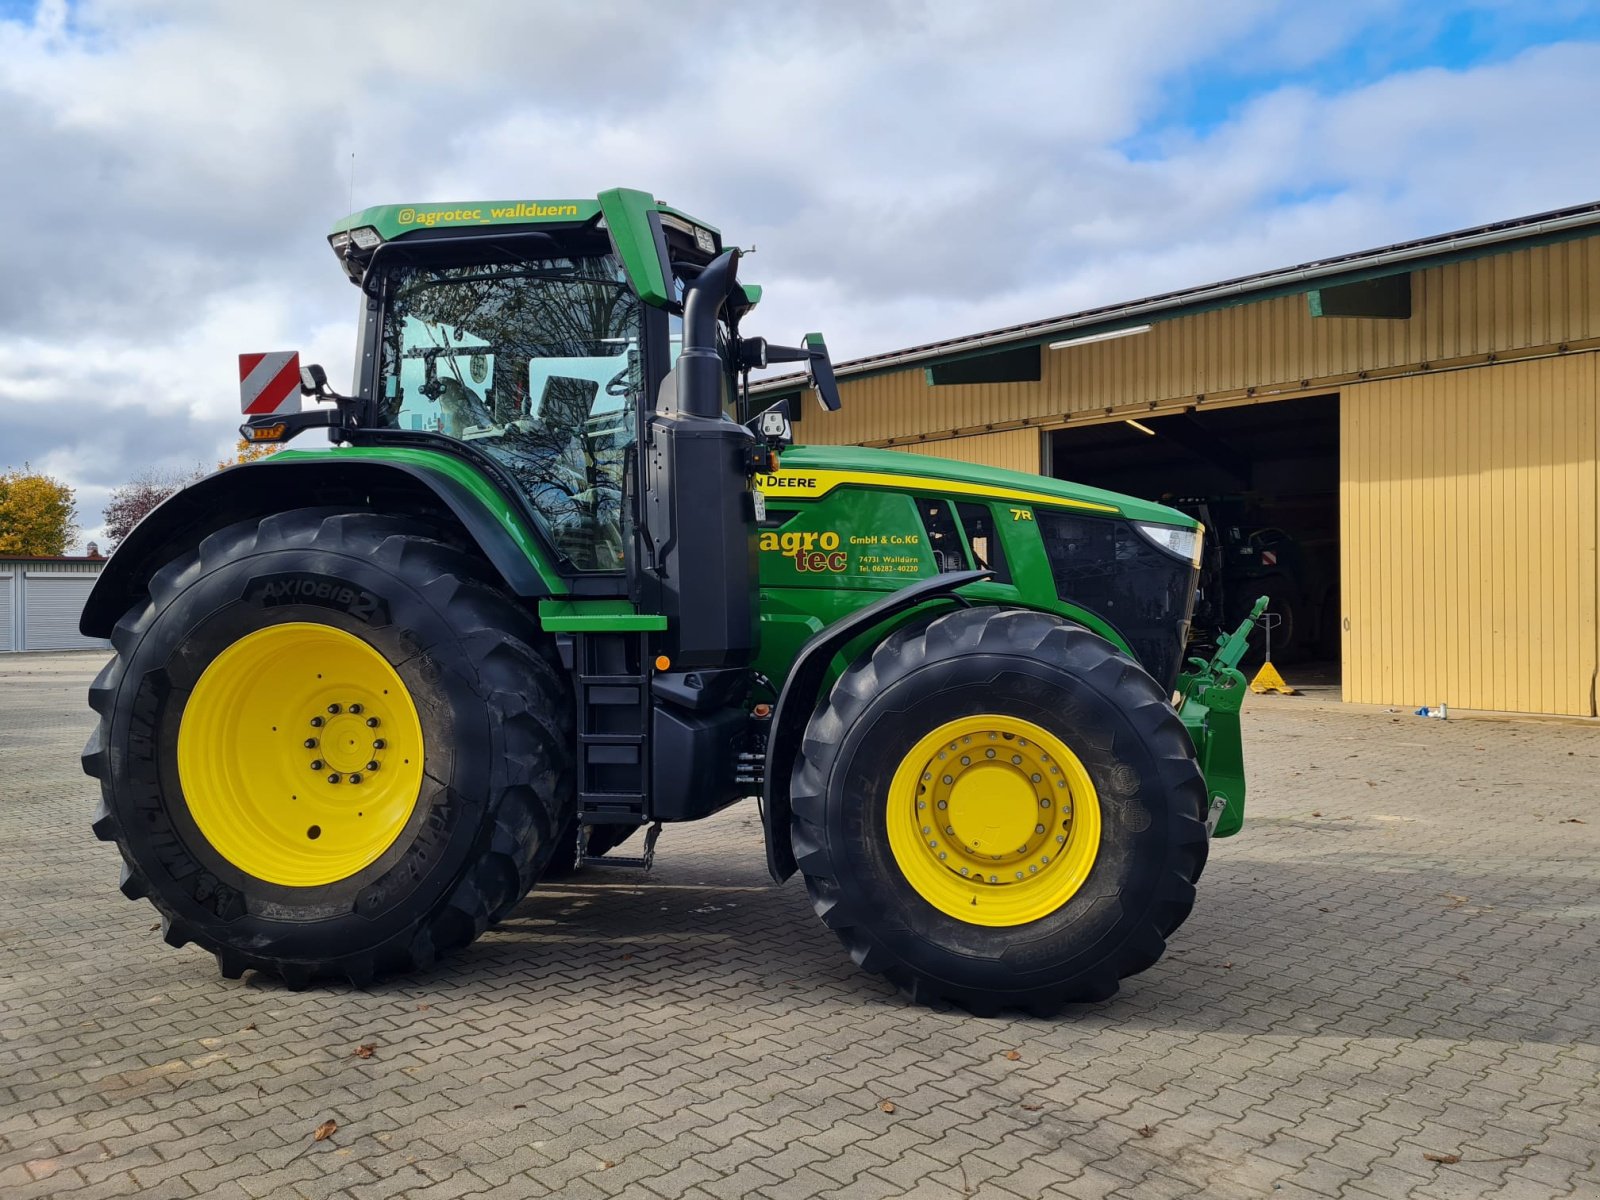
555, 581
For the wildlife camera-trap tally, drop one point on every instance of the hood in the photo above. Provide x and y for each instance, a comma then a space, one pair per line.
1030, 489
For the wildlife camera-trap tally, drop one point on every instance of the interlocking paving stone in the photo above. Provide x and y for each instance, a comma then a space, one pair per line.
1398, 956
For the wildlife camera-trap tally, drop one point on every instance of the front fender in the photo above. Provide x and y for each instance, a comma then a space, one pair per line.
802, 690
259, 489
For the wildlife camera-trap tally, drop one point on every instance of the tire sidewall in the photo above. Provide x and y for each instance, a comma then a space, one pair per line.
416, 873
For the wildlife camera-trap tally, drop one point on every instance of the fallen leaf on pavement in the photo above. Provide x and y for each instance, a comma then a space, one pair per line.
519, 1106
1032, 1107
606, 1164
1446, 1159
886, 1106
424, 1007
1012, 1055
365, 1050
1316, 814
1227, 966
1147, 1131
325, 1131
1574, 821
250, 1028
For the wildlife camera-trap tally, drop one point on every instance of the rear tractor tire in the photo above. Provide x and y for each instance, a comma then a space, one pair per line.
329, 747
1000, 809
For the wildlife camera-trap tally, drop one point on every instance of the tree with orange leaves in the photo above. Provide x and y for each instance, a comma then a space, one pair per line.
36, 514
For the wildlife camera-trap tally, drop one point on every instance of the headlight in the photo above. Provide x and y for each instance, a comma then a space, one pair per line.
1180, 541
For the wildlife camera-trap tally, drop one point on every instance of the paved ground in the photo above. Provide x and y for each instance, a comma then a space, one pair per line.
1398, 959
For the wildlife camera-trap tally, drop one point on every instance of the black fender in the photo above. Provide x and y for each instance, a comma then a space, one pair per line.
802, 692
188, 516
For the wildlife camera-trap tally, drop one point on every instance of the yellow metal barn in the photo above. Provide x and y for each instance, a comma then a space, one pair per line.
1422, 418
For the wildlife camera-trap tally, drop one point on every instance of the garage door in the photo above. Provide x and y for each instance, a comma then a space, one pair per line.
1468, 513
7, 584
50, 614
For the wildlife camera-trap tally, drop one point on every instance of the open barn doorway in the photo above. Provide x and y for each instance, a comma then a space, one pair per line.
1265, 480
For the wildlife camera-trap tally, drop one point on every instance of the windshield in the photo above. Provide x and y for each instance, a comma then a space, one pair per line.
534, 363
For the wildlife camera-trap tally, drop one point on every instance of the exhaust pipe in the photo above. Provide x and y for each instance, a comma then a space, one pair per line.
700, 372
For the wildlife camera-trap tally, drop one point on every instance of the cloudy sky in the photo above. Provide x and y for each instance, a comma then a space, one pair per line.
906, 170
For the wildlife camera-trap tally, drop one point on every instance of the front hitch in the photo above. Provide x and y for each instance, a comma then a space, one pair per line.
1211, 693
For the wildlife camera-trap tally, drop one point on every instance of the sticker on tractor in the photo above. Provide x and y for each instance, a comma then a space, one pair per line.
269, 383
814, 552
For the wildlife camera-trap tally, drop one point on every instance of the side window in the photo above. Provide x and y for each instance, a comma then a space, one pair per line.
536, 365
978, 521
944, 539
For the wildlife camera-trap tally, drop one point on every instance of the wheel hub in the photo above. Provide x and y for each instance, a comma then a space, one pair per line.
993, 820
300, 754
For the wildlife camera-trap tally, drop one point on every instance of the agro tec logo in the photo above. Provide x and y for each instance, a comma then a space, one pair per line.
810, 551
273, 590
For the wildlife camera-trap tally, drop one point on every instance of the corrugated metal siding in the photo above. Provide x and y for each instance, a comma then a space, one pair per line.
7, 590
1507, 302
1015, 450
52, 605
1470, 502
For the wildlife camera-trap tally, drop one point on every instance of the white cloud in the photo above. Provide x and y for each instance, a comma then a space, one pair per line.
908, 170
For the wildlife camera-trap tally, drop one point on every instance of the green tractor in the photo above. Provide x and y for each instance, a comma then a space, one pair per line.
545, 589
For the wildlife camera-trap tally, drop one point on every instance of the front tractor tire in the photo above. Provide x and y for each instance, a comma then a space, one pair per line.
329, 747
1000, 809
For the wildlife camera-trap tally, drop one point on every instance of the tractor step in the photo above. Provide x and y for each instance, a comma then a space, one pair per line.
613, 713
643, 862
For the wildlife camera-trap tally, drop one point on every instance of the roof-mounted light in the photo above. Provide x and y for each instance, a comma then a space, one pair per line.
705, 241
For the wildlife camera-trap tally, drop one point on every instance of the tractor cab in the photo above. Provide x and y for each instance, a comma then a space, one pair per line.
545, 344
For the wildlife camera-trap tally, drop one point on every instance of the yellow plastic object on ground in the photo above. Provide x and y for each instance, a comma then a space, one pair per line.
1268, 680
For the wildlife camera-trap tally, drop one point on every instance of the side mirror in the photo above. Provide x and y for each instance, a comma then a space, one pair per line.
313, 380
820, 367
814, 353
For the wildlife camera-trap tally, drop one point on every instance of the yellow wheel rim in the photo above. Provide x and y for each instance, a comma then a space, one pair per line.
300, 754
993, 820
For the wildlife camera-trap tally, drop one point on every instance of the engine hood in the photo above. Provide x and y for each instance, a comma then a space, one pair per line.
812, 470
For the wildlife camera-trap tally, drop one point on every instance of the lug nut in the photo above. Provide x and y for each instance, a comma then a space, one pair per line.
1038, 828
355, 708
373, 765
355, 777
334, 777
316, 722
378, 743
372, 722
333, 708
316, 764
311, 743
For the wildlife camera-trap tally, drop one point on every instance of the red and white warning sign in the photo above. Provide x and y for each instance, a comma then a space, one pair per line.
269, 383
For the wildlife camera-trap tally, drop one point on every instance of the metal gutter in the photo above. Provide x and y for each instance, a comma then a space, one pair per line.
1557, 225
